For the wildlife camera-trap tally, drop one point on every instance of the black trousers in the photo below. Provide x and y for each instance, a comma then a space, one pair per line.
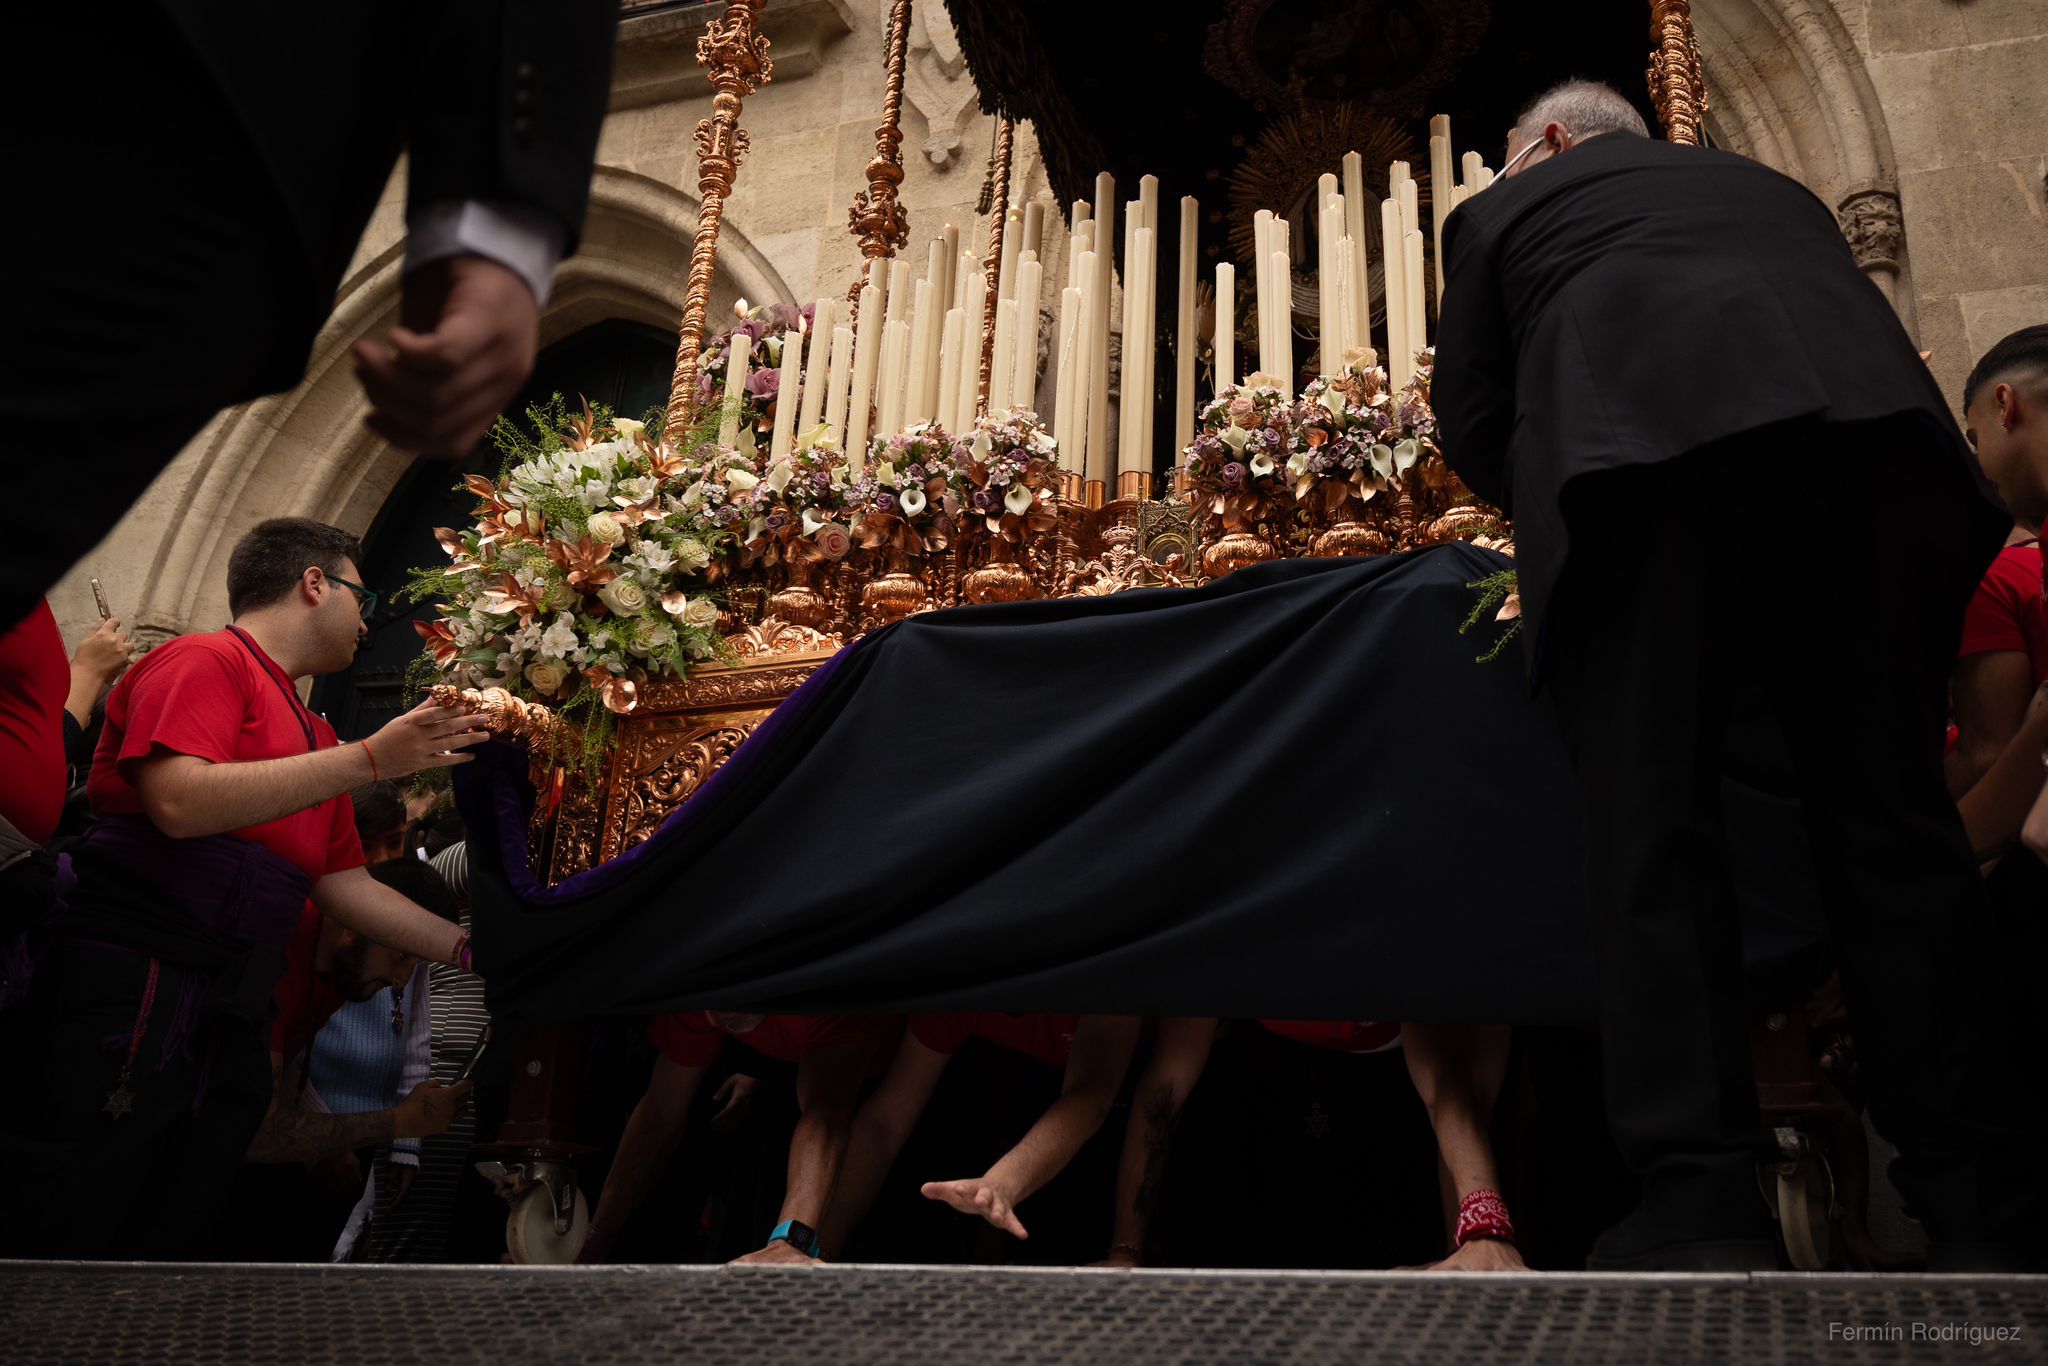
1824, 571
133, 327
147, 1185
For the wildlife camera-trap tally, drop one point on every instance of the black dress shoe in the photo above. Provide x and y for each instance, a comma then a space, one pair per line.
1733, 1233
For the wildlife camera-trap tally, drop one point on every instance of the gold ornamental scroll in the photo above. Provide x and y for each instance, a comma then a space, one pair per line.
1678, 84
735, 54
877, 218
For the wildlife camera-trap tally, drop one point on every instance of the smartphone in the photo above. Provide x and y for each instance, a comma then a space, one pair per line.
483, 1041
99, 596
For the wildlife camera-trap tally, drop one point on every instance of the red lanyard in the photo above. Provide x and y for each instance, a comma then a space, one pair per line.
299, 713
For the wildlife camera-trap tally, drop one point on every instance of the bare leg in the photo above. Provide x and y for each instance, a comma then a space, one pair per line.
1179, 1053
1458, 1071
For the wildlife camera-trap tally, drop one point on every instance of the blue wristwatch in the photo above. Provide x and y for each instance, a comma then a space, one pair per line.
802, 1237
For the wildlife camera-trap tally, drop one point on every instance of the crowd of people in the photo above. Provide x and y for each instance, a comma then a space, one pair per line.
238, 1015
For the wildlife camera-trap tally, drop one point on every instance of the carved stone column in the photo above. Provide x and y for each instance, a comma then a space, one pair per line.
1876, 230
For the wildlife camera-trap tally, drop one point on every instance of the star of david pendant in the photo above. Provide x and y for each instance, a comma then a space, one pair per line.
120, 1100
397, 1020
1318, 1125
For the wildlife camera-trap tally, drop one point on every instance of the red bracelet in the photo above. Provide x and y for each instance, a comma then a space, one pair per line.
1483, 1214
462, 959
375, 777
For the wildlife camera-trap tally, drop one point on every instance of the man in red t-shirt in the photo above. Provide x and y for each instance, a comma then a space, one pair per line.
2003, 659
1094, 1052
831, 1054
219, 812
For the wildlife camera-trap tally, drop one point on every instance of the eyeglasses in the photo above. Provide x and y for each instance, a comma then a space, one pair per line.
1516, 159
366, 601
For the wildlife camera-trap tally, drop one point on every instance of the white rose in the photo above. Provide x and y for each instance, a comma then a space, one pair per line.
624, 597
547, 676
605, 529
649, 636
701, 613
692, 554
628, 429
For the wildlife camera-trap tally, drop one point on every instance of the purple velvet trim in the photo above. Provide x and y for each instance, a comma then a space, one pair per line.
507, 805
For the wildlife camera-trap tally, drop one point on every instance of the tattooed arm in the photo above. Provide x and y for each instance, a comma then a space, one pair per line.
1179, 1054
291, 1134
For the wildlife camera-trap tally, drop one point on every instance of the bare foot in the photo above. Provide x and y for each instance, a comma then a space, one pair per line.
1122, 1259
777, 1253
1483, 1254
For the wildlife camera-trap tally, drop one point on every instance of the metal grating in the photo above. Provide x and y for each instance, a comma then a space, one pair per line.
64, 1314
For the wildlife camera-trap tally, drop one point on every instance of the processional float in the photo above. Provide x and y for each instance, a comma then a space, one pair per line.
827, 471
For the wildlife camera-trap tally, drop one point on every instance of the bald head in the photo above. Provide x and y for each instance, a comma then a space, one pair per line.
1567, 114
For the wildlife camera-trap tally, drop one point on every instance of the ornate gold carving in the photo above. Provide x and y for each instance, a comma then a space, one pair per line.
736, 56
937, 82
877, 218
1875, 227
998, 224
661, 762
1678, 86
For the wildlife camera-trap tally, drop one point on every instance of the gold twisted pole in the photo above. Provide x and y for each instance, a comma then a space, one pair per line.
736, 55
998, 224
1678, 86
877, 218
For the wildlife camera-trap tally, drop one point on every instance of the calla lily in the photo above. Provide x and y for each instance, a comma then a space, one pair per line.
774, 345
779, 475
981, 445
812, 521
1360, 358
1405, 456
692, 495
1333, 401
1259, 379
885, 474
1234, 437
1261, 464
1019, 499
913, 502
748, 441
824, 434
740, 481
1383, 461
1297, 465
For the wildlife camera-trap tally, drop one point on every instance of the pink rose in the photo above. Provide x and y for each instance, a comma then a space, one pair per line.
832, 541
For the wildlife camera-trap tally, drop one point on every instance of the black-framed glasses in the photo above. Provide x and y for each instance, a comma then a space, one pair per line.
366, 600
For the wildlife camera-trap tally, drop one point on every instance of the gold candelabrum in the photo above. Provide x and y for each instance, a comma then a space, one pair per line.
735, 54
1678, 85
878, 218
998, 225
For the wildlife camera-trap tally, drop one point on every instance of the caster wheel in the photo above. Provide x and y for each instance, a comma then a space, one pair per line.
530, 1234
1802, 1204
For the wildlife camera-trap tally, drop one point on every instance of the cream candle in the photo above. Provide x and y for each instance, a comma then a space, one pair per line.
1024, 373
1184, 339
1002, 358
839, 379
1226, 327
787, 384
735, 389
867, 345
1065, 392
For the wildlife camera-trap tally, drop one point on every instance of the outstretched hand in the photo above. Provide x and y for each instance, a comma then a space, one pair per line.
428, 736
437, 382
981, 1196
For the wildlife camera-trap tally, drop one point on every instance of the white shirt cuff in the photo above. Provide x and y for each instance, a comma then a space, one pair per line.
524, 242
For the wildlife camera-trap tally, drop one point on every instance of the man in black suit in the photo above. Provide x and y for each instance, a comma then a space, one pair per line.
198, 175
1731, 476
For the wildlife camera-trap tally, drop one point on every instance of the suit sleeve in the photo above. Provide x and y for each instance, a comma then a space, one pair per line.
1473, 391
507, 100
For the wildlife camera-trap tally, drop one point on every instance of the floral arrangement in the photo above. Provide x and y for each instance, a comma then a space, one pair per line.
790, 511
1243, 438
910, 500
1350, 440
760, 331
1008, 474
585, 574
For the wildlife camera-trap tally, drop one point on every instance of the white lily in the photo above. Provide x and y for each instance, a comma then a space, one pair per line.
1297, 465
981, 445
1019, 499
1234, 437
1333, 402
824, 434
1383, 461
1405, 455
912, 501
779, 475
885, 474
812, 521
1261, 465
740, 481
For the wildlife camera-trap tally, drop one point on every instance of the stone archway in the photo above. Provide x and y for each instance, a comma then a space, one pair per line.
1788, 86
306, 453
